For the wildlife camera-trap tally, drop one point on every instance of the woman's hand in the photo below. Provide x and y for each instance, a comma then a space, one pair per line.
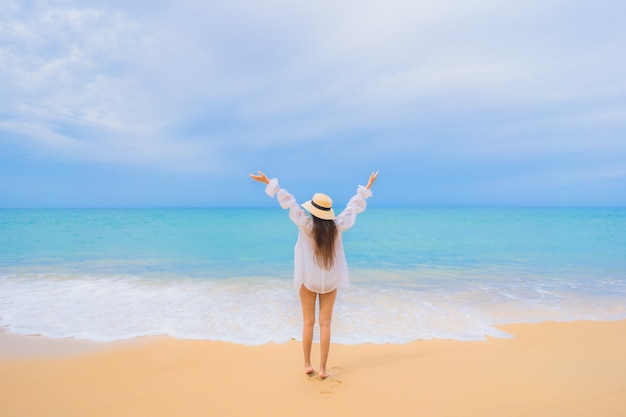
371, 180
260, 178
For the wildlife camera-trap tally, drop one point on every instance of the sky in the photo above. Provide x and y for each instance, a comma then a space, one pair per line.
136, 103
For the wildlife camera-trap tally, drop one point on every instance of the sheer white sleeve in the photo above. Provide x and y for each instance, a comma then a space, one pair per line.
356, 205
272, 187
287, 201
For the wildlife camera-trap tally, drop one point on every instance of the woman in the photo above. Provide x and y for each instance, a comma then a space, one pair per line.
320, 266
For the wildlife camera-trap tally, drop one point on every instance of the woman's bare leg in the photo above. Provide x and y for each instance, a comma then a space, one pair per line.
307, 300
327, 302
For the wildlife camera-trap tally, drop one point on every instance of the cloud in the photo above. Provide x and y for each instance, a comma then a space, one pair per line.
197, 86
74, 89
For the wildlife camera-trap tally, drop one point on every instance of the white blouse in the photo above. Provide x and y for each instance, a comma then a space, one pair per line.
306, 271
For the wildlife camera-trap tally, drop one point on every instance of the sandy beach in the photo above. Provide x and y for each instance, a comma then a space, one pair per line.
547, 369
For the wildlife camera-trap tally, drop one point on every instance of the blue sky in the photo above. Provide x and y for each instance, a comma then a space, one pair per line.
171, 104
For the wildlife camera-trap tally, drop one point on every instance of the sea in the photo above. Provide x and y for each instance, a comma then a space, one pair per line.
225, 274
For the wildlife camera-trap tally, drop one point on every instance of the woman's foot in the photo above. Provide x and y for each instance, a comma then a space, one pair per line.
308, 370
322, 374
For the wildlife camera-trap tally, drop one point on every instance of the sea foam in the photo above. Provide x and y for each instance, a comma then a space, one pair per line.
257, 310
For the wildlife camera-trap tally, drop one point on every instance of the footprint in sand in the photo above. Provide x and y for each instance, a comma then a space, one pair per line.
330, 384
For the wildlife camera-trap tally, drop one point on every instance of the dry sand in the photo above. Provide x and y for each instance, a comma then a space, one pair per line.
547, 369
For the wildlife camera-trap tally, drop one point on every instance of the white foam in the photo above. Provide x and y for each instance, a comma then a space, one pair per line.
261, 310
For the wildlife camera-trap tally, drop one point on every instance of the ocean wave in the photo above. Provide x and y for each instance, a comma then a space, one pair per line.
394, 308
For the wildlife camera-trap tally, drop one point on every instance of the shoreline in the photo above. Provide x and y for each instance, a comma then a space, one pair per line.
546, 369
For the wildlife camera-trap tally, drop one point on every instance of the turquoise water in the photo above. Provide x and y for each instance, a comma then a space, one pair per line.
225, 274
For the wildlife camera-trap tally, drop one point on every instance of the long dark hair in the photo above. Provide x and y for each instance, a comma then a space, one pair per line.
324, 237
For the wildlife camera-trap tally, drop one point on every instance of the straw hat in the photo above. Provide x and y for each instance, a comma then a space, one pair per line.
320, 206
